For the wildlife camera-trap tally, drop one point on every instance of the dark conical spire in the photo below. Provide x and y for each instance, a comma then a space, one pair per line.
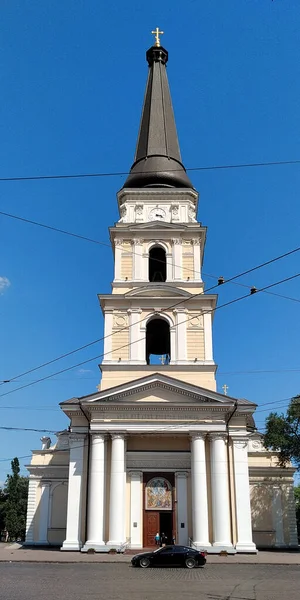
157, 161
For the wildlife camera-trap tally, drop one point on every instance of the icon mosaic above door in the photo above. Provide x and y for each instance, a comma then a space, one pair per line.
158, 494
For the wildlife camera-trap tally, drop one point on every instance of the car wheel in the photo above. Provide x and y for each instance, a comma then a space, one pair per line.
190, 563
144, 563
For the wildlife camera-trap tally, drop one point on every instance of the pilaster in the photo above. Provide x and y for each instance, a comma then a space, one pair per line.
136, 533
75, 510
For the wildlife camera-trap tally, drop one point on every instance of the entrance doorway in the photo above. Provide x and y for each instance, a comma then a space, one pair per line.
159, 509
166, 526
157, 522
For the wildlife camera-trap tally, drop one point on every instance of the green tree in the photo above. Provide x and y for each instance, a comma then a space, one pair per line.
283, 434
15, 490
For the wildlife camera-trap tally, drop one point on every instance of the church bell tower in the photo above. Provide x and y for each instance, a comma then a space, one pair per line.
157, 318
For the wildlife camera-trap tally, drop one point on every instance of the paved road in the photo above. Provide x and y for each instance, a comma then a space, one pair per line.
121, 582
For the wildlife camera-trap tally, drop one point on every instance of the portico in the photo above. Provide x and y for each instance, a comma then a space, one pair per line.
167, 439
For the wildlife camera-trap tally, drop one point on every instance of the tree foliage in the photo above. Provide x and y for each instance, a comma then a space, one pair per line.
13, 503
283, 434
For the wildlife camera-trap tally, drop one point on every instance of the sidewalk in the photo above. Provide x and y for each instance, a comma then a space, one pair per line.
15, 553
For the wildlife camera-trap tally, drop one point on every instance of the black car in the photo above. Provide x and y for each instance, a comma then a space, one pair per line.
170, 556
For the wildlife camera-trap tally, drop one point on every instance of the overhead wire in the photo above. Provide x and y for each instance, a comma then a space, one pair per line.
129, 252
124, 173
203, 292
144, 337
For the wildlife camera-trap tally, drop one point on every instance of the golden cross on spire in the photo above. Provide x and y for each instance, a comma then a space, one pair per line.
157, 33
225, 388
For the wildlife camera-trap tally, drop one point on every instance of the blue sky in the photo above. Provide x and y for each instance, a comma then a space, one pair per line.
72, 84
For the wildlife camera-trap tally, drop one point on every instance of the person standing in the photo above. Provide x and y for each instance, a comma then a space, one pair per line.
157, 539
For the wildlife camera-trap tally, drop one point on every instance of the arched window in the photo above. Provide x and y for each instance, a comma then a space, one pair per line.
157, 264
157, 342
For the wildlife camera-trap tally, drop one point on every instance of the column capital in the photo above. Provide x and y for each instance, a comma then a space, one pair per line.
118, 435
218, 435
179, 310
176, 242
198, 435
239, 442
118, 242
96, 435
135, 474
134, 311
76, 438
45, 483
138, 242
181, 474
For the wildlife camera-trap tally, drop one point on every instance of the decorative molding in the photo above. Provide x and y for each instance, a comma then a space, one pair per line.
139, 209
196, 241
76, 437
118, 241
120, 320
176, 241
138, 242
239, 443
198, 435
118, 435
220, 435
158, 461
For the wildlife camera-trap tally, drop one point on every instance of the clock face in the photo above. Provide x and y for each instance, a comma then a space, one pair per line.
157, 214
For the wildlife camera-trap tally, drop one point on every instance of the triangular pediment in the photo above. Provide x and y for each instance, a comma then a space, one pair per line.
158, 289
162, 389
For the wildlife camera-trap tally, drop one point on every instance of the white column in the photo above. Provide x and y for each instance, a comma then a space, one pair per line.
135, 350
108, 325
96, 494
220, 491
138, 260
199, 491
44, 513
169, 266
31, 510
136, 536
197, 259
277, 514
242, 495
118, 259
177, 259
75, 510
208, 346
117, 492
182, 537
181, 318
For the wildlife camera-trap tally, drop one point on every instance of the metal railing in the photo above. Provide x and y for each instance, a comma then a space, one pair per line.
124, 545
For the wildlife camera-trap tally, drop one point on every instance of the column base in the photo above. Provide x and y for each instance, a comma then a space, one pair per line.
218, 547
246, 547
96, 546
112, 545
71, 545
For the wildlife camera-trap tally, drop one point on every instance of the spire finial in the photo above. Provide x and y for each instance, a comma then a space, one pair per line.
157, 33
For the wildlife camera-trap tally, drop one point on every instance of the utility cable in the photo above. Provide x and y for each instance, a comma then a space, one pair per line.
129, 252
124, 173
204, 293
210, 311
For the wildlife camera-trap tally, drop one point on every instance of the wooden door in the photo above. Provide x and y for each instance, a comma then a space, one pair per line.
151, 527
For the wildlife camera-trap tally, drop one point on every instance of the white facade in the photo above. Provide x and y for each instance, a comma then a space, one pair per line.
157, 448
